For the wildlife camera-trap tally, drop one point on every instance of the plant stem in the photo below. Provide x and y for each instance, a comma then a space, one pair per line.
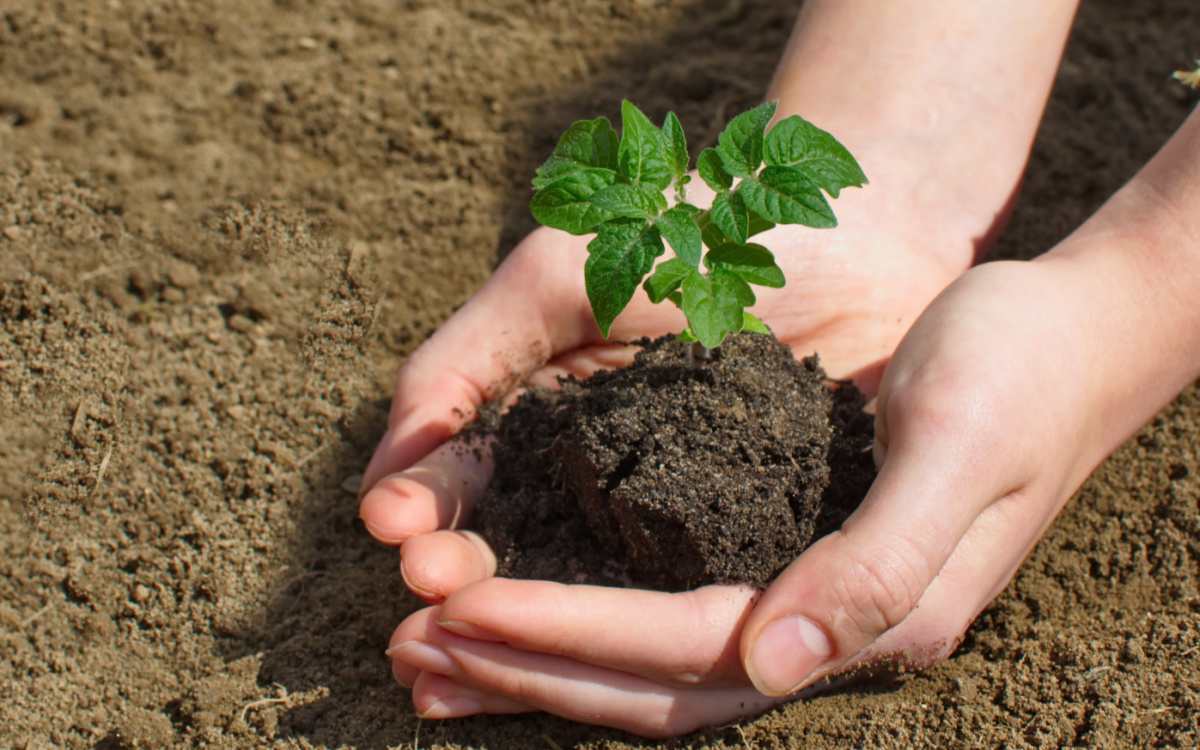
699, 352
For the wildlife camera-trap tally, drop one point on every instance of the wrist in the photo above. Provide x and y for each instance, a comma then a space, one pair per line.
1139, 335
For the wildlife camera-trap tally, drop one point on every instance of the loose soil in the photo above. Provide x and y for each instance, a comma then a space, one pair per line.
677, 472
223, 224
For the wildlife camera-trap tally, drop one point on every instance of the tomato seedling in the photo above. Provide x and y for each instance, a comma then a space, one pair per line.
595, 182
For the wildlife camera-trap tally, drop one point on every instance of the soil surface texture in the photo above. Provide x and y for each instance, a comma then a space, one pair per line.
222, 226
677, 472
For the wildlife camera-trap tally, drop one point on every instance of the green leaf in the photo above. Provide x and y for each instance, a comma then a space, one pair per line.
566, 203
712, 306
630, 201
686, 335
592, 143
555, 168
740, 144
758, 224
666, 279
785, 196
753, 324
586, 144
619, 256
642, 154
712, 170
677, 151
678, 225
743, 292
730, 215
753, 263
795, 142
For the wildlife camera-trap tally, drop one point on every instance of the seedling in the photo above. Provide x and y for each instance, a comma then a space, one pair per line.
594, 182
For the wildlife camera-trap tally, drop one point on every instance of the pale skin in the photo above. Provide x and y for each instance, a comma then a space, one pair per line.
1000, 388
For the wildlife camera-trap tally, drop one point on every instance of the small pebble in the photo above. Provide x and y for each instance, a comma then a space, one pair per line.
13, 232
256, 298
241, 323
183, 275
352, 483
142, 281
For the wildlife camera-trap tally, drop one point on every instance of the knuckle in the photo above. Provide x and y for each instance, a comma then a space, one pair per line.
877, 591
694, 659
942, 407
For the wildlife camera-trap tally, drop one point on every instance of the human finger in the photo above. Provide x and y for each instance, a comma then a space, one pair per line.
438, 697
575, 690
437, 564
438, 492
693, 639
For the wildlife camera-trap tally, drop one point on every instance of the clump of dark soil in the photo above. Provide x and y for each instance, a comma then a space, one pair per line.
678, 471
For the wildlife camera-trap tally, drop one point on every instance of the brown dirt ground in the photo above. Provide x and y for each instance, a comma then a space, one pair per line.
223, 223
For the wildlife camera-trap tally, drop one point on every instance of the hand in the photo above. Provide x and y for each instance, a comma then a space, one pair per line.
850, 296
981, 438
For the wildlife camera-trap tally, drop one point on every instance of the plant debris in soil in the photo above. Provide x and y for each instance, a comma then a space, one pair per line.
677, 472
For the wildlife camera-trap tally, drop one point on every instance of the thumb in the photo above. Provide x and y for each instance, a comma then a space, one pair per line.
857, 583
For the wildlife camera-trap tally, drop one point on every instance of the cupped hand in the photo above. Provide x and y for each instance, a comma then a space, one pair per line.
983, 431
851, 294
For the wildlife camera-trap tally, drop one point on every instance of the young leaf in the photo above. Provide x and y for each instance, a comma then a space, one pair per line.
730, 215
554, 168
678, 225
620, 255
740, 144
592, 143
629, 201
753, 324
566, 203
753, 263
711, 304
795, 142
667, 278
712, 170
677, 153
642, 154
785, 196
758, 224
587, 143
743, 292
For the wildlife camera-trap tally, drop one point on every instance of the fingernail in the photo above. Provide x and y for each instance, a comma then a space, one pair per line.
786, 652
451, 707
423, 656
467, 630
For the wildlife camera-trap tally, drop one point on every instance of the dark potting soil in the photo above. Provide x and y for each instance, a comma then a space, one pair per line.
677, 472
